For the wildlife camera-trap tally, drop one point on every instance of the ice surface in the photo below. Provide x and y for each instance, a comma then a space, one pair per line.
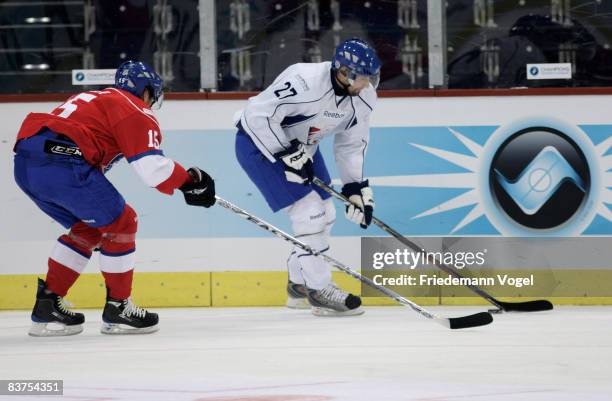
276, 354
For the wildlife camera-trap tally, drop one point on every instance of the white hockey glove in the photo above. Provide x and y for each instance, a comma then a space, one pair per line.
298, 165
362, 198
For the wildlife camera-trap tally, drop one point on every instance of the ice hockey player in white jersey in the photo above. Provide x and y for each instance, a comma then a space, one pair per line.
277, 146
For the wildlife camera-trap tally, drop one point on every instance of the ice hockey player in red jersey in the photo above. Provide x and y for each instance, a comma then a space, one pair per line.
60, 161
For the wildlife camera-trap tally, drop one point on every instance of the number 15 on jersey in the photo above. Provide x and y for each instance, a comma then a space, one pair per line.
153, 139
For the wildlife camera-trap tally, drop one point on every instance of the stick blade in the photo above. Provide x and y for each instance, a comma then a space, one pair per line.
528, 306
464, 322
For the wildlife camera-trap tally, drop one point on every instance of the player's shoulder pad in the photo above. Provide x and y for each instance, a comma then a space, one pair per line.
368, 97
123, 103
309, 80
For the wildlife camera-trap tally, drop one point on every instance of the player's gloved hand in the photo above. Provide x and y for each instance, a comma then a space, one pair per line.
201, 191
362, 198
298, 165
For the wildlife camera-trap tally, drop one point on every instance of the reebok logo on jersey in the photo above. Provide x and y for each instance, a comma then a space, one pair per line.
332, 114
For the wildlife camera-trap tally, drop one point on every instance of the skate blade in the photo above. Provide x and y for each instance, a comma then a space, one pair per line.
120, 329
327, 312
53, 329
297, 303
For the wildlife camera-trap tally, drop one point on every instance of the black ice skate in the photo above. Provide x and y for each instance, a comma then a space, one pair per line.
332, 301
297, 296
123, 317
50, 316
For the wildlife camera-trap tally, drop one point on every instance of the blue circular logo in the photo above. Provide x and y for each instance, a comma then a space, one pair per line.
540, 176
534, 70
79, 76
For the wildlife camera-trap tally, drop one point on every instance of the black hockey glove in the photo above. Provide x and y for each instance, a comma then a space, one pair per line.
201, 191
298, 165
362, 198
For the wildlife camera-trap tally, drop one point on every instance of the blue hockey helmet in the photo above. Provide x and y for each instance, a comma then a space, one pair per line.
359, 58
136, 76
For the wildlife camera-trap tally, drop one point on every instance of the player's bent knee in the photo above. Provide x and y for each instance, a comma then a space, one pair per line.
121, 234
84, 236
308, 215
309, 220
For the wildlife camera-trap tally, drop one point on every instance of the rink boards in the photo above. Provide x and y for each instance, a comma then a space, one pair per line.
203, 289
196, 257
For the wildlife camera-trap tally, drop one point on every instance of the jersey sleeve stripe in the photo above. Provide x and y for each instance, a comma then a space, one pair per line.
145, 154
153, 169
178, 178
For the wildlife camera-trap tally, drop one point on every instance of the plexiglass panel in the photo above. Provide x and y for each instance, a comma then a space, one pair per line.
259, 39
490, 42
42, 41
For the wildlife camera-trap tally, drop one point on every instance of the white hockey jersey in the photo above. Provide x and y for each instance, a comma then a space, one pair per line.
301, 104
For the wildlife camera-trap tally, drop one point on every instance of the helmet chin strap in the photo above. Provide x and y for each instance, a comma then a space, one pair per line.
344, 86
340, 88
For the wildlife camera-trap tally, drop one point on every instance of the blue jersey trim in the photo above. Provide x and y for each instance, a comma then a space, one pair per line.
366, 103
67, 245
117, 254
274, 133
354, 117
145, 154
290, 121
253, 135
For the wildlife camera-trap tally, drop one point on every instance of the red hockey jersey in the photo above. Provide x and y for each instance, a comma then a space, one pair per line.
108, 125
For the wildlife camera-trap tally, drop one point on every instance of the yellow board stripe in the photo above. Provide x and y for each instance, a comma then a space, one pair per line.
149, 290
185, 289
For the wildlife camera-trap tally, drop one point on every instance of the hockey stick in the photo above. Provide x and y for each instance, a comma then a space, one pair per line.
527, 306
478, 319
